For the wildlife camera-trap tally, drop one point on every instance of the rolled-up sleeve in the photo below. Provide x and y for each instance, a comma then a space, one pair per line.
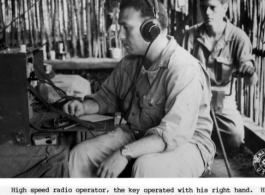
108, 95
184, 92
244, 51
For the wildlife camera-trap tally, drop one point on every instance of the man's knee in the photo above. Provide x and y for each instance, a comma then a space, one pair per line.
80, 149
236, 139
144, 166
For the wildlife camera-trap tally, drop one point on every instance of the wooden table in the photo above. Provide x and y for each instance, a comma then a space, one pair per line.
83, 63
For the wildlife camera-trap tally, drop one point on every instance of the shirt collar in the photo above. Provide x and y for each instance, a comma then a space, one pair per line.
225, 39
161, 62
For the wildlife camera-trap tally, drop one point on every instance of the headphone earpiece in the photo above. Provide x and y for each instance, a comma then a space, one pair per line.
150, 30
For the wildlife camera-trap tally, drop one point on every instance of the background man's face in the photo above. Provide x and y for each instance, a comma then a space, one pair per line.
212, 11
130, 22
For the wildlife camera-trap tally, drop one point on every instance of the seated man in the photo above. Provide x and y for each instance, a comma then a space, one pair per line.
225, 50
164, 95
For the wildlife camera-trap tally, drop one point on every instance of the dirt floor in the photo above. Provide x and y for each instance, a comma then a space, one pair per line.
240, 161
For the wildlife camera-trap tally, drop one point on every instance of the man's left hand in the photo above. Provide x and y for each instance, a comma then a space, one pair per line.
112, 166
247, 69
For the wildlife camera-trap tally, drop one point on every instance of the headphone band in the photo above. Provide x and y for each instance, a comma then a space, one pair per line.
156, 9
154, 6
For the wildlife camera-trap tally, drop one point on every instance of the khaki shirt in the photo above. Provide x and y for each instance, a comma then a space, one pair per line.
232, 51
170, 99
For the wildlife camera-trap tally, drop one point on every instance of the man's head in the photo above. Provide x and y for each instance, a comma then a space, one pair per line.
146, 10
213, 11
132, 15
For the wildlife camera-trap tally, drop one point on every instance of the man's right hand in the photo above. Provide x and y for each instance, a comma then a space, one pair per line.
75, 108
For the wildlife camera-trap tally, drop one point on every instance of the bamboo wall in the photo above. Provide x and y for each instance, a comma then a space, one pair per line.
79, 24
249, 15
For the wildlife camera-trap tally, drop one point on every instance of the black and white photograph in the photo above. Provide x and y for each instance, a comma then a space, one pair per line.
132, 89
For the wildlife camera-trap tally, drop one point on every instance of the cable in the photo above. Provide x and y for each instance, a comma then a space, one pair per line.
68, 98
56, 88
135, 78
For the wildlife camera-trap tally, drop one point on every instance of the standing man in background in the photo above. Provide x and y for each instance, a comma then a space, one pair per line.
164, 95
225, 50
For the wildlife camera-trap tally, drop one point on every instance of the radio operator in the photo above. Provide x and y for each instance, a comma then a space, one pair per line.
164, 95
225, 50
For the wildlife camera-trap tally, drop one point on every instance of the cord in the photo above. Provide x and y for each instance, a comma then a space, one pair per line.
56, 88
135, 78
67, 98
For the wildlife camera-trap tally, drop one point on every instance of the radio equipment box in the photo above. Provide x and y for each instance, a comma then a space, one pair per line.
15, 101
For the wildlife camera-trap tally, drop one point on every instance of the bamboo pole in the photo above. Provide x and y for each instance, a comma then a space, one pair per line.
99, 31
79, 28
19, 23
97, 23
2, 20
262, 99
37, 21
54, 22
65, 26
42, 25
94, 31
31, 41
73, 29
34, 26
13, 24
82, 16
104, 31
89, 32
25, 39
7, 7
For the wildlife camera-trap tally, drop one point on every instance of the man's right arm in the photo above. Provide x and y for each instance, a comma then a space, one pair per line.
77, 108
106, 100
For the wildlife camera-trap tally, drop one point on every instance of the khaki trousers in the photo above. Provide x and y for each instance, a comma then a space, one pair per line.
85, 158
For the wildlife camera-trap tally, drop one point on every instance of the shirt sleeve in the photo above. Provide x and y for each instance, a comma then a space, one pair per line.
244, 51
184, 92
108, 95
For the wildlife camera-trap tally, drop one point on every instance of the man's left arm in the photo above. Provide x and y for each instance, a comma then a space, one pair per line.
248, 72
246, 61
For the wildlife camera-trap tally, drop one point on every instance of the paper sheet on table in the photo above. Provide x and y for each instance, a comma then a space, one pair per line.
95, 118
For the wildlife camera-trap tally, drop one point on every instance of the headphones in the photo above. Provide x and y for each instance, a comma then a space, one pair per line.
150, 28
